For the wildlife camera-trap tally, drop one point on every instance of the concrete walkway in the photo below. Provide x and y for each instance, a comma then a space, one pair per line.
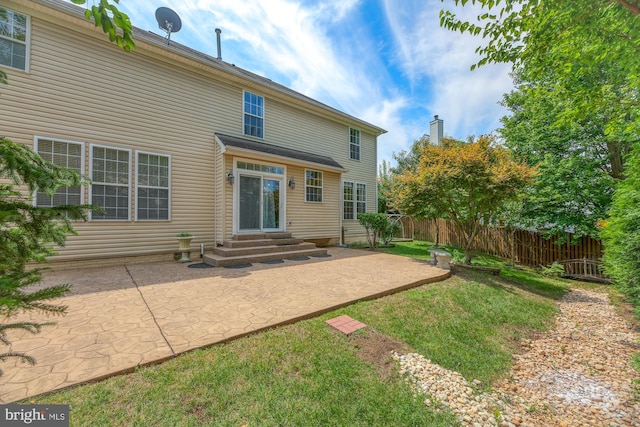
128, 315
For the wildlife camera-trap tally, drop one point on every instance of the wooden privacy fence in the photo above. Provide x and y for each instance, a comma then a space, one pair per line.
529, 247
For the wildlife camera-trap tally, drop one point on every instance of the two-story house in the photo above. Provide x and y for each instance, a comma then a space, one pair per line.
174, 140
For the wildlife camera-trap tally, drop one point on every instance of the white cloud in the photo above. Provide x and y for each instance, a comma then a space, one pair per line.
331, 51
388, 115
431, 55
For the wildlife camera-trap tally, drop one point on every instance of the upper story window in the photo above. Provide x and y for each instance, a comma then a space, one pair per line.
14, 35
313, 186
66, 154
354, 144
110, 186
253, 115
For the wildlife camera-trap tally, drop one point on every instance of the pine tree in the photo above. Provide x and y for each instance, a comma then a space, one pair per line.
26, 232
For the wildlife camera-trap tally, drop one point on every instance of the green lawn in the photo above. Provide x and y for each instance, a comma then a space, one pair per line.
308, 375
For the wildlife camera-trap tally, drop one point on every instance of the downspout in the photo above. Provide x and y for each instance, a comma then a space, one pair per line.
215, 197
341, 192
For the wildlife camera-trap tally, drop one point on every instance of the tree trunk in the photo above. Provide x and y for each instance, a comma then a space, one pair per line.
467, 254
437, 243
616, 150
469, 236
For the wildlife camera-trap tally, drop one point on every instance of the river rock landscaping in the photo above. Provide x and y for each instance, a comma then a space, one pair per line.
578, 374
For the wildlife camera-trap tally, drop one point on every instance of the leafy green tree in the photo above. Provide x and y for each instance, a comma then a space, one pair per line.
113, 22
407, 163
384, 187
621, 234
585, 51
585, 55
466, 183
576, 177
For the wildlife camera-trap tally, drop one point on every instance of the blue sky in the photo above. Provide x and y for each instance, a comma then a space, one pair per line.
385, 61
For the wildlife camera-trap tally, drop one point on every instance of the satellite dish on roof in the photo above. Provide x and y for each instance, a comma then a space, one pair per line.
168, 21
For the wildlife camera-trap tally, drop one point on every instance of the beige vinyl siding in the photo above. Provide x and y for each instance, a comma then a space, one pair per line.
293, 128
361, 171
219, 195
312, 220
308, 220
82, 88
228, 198
75, 92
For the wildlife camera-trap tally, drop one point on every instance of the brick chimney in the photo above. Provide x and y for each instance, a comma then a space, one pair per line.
436, 129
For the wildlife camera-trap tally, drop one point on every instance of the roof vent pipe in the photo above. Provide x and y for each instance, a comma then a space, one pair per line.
218, 31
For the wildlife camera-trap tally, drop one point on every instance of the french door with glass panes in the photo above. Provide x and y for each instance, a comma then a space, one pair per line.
259, 203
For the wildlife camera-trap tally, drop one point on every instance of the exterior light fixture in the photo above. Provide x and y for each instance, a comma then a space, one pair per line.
291, 183
230, 178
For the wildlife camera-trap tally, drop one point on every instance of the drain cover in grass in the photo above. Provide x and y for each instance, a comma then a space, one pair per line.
273, 261
200, 265
299, 258
238, 265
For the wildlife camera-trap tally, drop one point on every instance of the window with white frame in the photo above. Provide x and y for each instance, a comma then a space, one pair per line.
354, 144
348, 211
313, 186
253, 115
110, 186
354, 199
14, 37
361, 198
152, 184
66, 154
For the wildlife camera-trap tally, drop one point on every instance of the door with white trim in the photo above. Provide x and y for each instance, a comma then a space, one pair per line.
259, 201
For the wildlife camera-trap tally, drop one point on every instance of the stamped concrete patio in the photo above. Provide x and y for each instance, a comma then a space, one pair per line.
124, 316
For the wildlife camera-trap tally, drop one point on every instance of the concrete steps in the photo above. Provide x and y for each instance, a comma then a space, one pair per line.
260, 247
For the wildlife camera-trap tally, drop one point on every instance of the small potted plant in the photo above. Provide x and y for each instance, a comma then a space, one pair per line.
184, 241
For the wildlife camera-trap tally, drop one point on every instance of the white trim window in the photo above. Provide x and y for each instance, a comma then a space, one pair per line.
110, 182
66, 154
348, 211
313, 186
354, 144
253, 121
354, 199
153, 179
361, 198
14, 39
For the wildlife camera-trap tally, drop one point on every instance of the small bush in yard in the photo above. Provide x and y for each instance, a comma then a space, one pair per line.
554, 270
376, 226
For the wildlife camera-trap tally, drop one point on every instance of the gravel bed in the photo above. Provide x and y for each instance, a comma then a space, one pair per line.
578, 374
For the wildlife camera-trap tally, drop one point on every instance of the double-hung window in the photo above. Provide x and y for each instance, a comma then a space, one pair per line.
14, 39
354, 144
153, 181
313, 186
354, 199
110, 186
347, 201
253, 115
361, 198
66, 154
